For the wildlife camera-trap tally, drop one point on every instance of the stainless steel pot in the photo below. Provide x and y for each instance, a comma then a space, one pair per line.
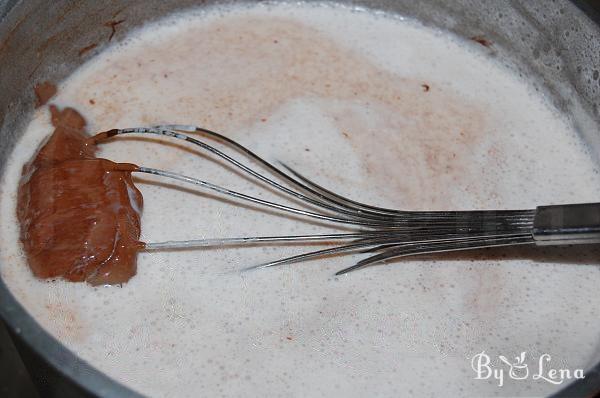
556, 44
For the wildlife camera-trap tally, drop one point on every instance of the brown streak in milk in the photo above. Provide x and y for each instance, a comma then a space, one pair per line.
71, 326
426, 131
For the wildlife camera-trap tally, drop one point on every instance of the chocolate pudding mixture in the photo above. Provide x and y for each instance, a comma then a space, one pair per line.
79, 215
352, 100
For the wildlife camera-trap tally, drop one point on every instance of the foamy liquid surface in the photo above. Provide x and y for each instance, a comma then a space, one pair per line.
342, 96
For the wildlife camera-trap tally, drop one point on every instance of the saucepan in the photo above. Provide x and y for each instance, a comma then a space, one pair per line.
557, 43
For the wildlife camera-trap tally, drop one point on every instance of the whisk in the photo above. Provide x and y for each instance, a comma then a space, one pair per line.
381, 232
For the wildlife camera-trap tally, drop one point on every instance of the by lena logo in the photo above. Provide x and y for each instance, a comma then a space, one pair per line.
518, 369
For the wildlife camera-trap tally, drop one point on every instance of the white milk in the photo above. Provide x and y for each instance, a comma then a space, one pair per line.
338, 94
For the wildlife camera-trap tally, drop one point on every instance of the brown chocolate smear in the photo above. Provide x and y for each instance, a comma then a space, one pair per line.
85, 49
43, 92
113, 27
482, 40
79, 215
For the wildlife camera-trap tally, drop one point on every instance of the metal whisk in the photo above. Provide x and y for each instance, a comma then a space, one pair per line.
384, 233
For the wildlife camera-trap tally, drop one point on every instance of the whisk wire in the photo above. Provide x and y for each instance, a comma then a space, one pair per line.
390, 233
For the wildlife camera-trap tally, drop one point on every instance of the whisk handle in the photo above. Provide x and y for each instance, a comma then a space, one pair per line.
567, 224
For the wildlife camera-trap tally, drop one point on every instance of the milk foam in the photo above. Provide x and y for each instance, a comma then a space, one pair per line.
339, 94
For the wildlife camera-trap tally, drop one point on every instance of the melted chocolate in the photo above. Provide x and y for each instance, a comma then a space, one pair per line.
79, 215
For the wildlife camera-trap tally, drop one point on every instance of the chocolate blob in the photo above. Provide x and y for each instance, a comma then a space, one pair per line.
79, 215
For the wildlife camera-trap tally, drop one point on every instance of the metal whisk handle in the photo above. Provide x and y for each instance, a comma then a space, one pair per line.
567, 224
